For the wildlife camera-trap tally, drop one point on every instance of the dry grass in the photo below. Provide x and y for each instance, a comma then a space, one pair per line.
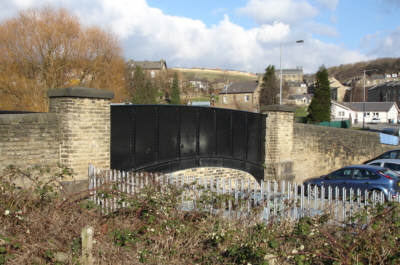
39, 223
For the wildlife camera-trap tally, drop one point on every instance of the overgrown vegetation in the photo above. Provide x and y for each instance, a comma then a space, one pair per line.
42, 226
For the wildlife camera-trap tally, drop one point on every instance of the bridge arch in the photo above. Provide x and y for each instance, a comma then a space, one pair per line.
212, 172
169, 138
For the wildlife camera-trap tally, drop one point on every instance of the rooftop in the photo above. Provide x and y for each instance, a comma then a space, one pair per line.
296, 96
386, 85
368, 106
241, 87
148, 65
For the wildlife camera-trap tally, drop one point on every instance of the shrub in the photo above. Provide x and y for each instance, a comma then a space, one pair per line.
38, 224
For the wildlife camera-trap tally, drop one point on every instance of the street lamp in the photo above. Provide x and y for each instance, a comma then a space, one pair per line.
280, 66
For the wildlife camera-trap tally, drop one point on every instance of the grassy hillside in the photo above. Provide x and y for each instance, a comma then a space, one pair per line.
347, 71
214, 75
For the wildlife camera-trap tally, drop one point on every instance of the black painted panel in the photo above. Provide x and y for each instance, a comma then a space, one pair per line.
239, 136
167, 138
224, 133
145, 138
254, 126
207, 136
188, 136
121, 127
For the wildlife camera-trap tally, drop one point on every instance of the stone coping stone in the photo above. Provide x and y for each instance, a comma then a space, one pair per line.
80, 92
277, 108
74, 187
28, 118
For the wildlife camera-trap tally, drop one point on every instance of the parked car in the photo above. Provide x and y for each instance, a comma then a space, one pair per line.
363, 177
392, 154
391, 131
392, 164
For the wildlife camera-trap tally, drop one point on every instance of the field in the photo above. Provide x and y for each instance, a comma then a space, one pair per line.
213, 75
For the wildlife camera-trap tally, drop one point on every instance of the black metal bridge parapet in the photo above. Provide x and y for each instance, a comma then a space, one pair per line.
167, 138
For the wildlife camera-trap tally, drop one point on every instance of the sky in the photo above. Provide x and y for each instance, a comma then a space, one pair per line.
243, 35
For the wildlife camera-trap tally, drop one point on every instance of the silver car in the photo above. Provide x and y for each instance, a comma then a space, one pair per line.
392, 164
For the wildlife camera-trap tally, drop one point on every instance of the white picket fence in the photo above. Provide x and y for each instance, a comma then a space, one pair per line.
234, 198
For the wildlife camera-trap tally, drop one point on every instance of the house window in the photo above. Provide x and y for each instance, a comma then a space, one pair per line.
341, 113
224, 99
152, 74
246, 98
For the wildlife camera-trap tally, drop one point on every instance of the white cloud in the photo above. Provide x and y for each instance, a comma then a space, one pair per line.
320, 29
383, 45
331, 4
147, 33
288, 11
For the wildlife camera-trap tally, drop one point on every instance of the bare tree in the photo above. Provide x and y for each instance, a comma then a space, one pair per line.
48, 48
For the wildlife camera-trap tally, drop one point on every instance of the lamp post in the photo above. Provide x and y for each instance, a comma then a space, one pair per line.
280, 66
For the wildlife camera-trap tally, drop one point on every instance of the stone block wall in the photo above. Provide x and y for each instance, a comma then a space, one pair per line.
85, 128
318, 150
75, 133
278, 142
29, 139
228, 176
211, 172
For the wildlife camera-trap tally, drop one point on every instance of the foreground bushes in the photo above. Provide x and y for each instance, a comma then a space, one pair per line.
39, 225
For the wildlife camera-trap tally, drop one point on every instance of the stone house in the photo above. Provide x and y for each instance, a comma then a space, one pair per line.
359, 112
291, 75
199, 85
156, 71
243, 95
296, 88
389, 91
153, 68
338, 90
299, 100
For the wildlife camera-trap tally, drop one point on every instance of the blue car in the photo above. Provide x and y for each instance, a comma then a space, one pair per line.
363, 177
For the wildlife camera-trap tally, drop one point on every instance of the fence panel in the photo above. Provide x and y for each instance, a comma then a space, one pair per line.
234, 198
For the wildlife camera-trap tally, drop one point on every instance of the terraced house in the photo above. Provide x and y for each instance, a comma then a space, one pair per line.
386, 92
243, 95
365, 112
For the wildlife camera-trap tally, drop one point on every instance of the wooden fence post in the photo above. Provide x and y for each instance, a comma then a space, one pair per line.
87, 245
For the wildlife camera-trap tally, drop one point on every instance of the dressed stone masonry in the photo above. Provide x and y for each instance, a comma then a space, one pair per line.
278, 142
29, 139
212, 172
84, 124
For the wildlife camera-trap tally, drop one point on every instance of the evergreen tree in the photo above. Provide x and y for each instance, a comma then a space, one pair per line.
175, 95
269, 87
320, 107
144, 90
